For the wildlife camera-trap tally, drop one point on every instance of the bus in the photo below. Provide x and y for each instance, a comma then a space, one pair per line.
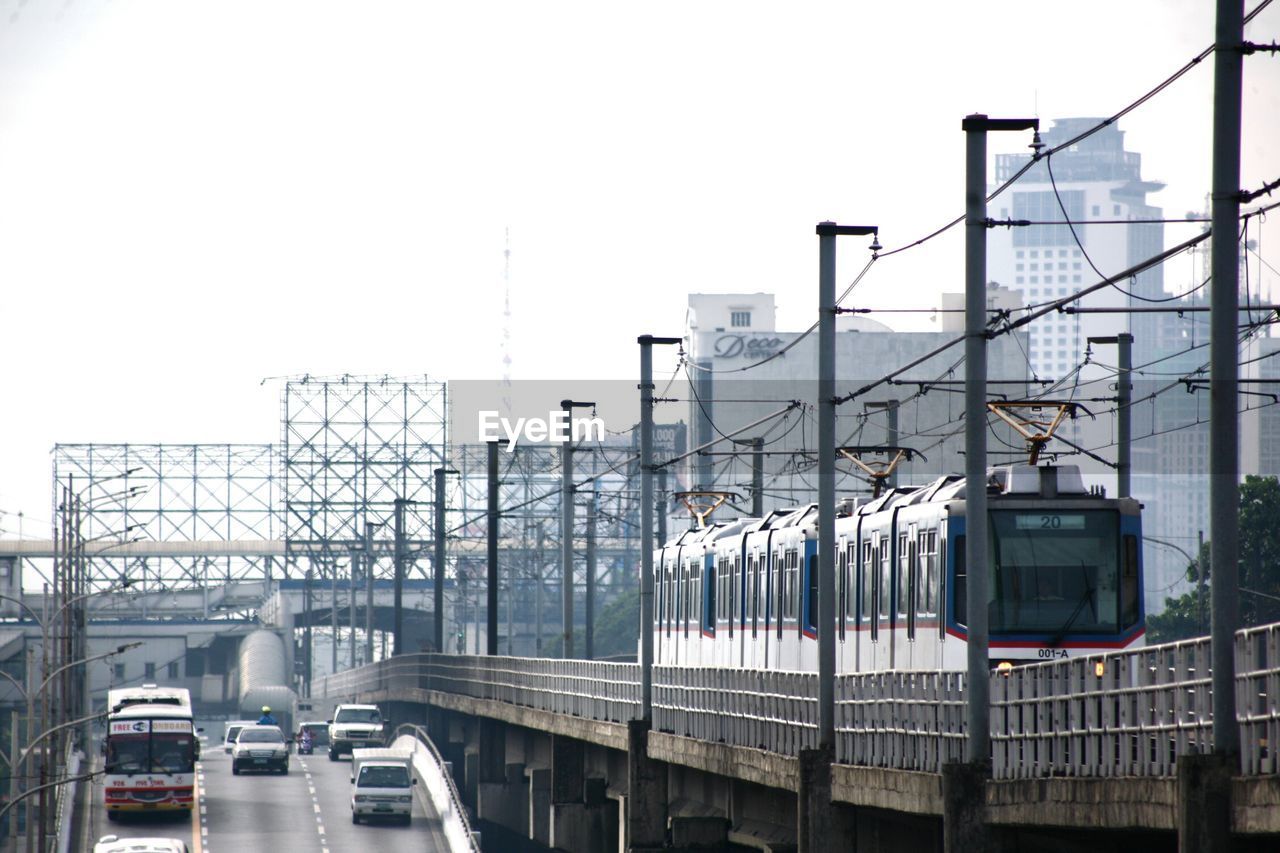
151, 751
147, 694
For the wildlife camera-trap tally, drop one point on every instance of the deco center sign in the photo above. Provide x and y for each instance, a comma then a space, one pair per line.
747, 346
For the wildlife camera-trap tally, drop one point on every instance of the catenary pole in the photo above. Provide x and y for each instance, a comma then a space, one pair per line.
827, 233
1224, 371
646, 343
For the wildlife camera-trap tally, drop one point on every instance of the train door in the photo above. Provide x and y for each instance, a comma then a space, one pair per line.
777, 615
927, 597
843, 644
723, 603
659, 602
882, 625
737, 622
869, 551
788, 632
753, 647
906, 629
809, 628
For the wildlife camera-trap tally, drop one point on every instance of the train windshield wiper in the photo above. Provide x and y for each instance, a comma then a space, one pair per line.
1087, 598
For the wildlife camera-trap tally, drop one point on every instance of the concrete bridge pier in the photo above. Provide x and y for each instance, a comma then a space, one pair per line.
815, 818
578, 811
646, 803
964, 806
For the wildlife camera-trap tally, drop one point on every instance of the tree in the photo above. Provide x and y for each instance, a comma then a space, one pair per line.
1259, 571
617, 630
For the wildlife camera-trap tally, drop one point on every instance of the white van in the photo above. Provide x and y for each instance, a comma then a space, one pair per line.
231, 731
382, 784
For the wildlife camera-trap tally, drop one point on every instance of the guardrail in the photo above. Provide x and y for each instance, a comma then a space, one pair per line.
65, 808
1124, 714
770, 710
900, 720
437, 779
593, 690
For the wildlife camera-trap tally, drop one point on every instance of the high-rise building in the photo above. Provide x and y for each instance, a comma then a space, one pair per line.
1095, 193
1094, 198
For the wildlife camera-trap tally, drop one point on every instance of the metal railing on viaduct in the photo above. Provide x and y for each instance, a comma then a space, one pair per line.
1124, 714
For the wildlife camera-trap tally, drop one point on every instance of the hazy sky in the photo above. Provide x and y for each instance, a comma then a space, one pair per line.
199, 194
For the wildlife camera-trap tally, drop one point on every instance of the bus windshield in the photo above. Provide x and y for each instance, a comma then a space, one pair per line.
1054, 571
160, 752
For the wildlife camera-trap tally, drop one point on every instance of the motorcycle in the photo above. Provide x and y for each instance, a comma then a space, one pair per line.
305, 745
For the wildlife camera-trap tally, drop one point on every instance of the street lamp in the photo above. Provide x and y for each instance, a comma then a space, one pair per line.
31, 695
1199, 571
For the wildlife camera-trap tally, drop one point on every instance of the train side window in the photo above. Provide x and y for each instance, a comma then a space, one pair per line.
1129, 587
753, 584
695, 593
776, 572
866, 602
909, 584
707, 607
680, 593
885, 594
811, 614
793, 586
659, 591
851, 567
940, 548
959, 588
733, 592
904, 579
842, 590
927, 582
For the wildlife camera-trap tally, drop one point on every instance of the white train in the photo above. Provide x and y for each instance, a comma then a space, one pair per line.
1066, 579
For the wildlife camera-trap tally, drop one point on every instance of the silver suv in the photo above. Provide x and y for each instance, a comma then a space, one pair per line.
354, 727
260, 748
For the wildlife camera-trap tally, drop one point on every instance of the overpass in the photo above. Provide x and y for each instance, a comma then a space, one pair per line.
1087, 754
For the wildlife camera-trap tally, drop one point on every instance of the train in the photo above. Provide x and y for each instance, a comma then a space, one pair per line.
1065, 579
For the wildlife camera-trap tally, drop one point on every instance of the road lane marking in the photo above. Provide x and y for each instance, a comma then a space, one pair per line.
197, 846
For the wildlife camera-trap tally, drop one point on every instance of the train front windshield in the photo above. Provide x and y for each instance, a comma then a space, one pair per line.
1055, 572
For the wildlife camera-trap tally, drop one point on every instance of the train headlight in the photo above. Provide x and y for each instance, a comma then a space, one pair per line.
1004, 668
1099, 668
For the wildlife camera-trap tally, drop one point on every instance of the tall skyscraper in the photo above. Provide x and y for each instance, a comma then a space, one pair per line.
1100, 189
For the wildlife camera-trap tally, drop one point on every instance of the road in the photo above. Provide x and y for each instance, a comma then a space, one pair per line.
307, 811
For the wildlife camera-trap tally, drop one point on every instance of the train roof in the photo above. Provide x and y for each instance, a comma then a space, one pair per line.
1050, 481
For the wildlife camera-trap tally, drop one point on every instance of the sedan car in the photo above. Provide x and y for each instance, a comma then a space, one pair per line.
114, 844
260, 748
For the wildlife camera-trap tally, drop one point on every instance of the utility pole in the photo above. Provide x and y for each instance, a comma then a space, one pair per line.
815, 830
306, 633
438, 567
333, 615
1124, 402
589, 629
491, 577
397, 593
660, 506
370, 561
351, 600
537, 592
566, 526
757, 477
964, 818
646, 343
827, 233
1224, 373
